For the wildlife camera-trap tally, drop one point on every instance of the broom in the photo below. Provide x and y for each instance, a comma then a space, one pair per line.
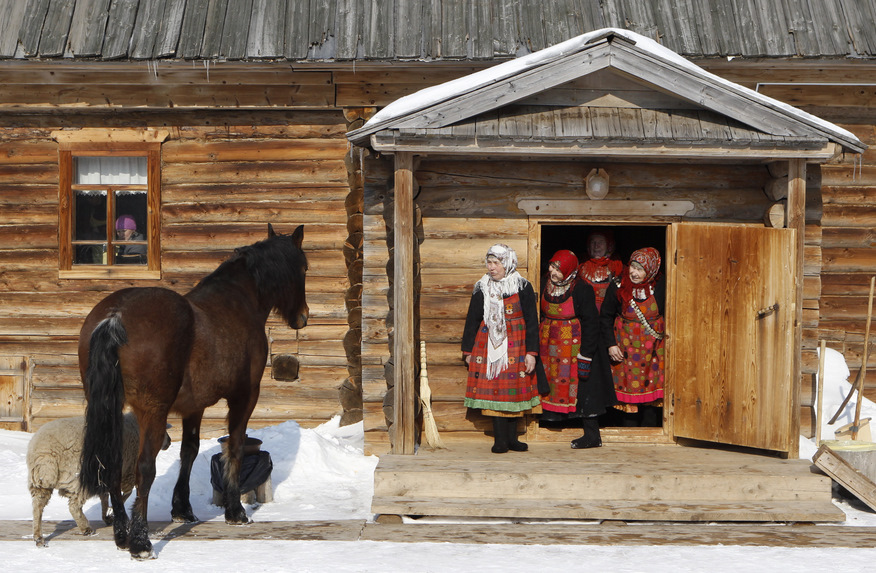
430, 428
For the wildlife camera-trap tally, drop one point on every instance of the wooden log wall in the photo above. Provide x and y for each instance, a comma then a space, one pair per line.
466, 206
221, 185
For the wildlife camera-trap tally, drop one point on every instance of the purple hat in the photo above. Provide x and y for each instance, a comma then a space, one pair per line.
126, 222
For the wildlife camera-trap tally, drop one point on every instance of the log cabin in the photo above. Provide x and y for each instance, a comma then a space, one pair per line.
239, 113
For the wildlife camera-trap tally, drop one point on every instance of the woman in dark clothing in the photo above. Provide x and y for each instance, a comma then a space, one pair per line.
500, 345
567, 334
633, 330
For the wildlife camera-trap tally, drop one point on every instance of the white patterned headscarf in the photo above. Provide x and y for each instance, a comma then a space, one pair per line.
494, 306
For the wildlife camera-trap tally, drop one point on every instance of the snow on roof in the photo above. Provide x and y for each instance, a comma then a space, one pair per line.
443, 92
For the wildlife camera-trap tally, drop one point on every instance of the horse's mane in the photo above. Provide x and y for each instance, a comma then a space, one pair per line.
277, 267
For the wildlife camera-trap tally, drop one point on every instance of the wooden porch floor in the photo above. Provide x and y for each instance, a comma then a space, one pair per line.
653, 482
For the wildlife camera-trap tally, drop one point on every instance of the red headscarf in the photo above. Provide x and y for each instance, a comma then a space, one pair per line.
649, 259
567, 261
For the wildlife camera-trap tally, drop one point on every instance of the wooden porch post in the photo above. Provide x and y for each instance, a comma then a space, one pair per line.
403, 301
796, 217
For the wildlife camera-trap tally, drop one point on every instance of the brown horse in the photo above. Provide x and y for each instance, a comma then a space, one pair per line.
159, 352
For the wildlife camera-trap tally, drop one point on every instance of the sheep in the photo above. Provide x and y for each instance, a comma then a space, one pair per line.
53, 460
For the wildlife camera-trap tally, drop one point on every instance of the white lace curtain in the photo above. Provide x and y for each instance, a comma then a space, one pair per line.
110, 171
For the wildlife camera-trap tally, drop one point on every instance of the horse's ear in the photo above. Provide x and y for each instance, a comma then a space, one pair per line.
271, 232
298, 235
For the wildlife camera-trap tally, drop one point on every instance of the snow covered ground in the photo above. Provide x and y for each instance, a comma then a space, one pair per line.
321, 474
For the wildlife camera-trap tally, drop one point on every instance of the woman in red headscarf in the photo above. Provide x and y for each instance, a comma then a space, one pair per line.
602, 265
568, 337
632, 322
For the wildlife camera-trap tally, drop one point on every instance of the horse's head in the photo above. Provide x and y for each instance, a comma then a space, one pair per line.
291, 302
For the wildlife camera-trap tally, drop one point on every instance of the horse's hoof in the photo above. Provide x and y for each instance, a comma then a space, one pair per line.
238, 520
185, 518
142, 551
143, 555
40, 542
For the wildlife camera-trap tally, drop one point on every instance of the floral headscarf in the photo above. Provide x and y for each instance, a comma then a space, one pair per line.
649, 259
494, 305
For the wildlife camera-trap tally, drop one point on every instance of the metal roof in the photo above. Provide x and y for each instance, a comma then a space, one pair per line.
399, 30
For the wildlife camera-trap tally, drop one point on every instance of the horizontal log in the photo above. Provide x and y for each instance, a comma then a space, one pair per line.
560, 174
849, 215
848, 237
34, 151
848, 260
169, 73
317, 172
844, 308
846, 174
29, 174
186, 237
262, 149
812, 260
293, 193
213, 96
189, 266
851, 284
257, 211
291, 124
848, 195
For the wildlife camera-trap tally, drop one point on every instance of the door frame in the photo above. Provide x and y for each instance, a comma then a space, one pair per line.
660, 434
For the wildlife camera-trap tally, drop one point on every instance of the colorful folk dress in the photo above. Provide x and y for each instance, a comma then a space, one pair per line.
559, 344
512, 391
639, 378
598, 274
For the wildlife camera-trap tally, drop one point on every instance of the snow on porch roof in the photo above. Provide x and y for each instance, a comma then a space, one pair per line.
456, 100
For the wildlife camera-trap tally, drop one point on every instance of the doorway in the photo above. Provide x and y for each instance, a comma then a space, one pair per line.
626, 239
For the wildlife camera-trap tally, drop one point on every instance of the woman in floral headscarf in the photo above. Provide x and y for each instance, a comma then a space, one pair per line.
500, 345
602, 264
632, 322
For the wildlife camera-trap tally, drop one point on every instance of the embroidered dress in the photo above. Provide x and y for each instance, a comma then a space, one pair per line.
511, 390
639, 378
560, 342
598, 273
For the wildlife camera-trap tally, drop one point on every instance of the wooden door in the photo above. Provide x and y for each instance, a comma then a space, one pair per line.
12, 384
731, 312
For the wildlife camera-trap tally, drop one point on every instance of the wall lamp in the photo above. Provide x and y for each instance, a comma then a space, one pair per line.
596, 184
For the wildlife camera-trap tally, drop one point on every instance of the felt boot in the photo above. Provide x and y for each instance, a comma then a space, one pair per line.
591, 437
500, 435
513, 442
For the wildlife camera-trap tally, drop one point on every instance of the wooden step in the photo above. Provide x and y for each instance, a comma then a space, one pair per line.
626, 482
621, 510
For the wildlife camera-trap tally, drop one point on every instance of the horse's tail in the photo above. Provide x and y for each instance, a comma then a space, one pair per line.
102, 445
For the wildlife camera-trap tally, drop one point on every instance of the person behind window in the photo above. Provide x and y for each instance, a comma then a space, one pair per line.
500, 346
632, 323
126, 230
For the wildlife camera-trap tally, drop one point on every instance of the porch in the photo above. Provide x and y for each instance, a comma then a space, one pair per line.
619, 481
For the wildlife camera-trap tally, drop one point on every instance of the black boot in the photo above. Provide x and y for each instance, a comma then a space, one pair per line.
513, 443
651, 416
500, 435
591, 437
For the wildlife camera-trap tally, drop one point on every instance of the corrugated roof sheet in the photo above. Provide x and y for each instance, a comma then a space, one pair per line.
363, 30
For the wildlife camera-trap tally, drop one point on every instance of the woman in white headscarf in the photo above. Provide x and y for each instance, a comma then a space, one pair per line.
500, 345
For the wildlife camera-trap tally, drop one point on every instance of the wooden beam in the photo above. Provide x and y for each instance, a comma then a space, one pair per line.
403, 299
796, 219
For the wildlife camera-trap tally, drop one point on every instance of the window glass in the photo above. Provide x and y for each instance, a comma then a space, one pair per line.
113, 189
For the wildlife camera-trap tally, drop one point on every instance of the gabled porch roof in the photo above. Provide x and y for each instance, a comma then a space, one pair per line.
516, 108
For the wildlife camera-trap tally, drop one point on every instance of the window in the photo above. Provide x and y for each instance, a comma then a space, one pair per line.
109, 195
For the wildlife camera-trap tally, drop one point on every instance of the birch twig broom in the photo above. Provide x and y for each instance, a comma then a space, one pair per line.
430, 428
